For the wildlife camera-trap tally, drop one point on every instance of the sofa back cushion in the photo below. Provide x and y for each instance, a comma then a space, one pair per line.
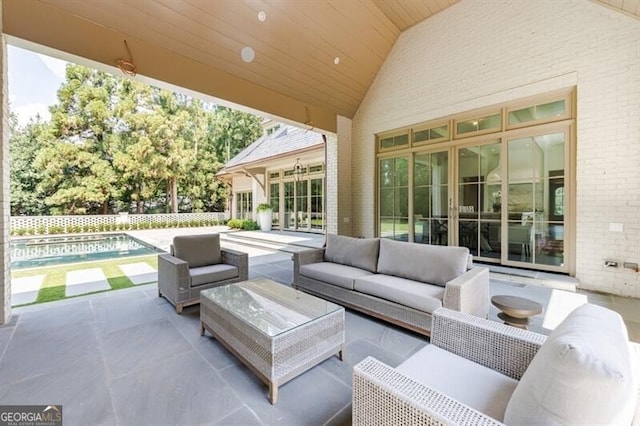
359, 252
422, 262
582, 374
198, 250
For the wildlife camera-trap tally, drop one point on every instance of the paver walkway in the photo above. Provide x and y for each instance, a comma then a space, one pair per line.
25, 290
140, 273
86, 281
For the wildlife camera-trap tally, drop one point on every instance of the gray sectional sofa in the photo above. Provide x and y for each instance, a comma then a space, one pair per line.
403, 283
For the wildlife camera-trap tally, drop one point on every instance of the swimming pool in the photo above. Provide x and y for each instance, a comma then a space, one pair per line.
50, 251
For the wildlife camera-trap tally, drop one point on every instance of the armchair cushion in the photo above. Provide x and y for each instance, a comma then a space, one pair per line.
359, 252
465, 381
198, 250
582, 374
212, 273
422, 262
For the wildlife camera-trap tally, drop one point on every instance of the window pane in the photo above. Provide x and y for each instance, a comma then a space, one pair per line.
422, 170
401, 231
489, 122
422, 202
468, 231
386, 143
468, 164
521, 159
520, 239
421, 136
386, 202
439, 132
401, 140
401, 208
386, 227
549, 110
520, 198
401, 172
440, 167
386, 172
467, 126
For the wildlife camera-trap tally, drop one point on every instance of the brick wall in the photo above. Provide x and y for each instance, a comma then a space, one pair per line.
5, 276
484, 52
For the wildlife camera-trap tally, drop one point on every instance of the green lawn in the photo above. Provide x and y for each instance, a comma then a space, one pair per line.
53, 286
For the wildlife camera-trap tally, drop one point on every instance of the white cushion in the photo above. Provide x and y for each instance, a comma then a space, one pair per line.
465, 381
358, 252
582, 374
421, 296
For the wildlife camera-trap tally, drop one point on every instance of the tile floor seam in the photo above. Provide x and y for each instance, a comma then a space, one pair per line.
107, 371
13, 332
335, 415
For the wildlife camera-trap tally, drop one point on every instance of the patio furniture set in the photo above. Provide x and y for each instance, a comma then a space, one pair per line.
486, 372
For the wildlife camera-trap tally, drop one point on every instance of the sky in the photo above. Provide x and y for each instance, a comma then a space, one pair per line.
34, 80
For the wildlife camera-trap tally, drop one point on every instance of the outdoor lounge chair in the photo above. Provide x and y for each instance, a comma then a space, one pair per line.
195, 263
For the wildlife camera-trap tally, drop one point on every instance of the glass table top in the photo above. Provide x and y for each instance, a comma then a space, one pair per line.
270, 307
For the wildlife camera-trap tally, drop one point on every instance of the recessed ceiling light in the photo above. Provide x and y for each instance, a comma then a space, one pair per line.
262, 16
247, 54
336, 60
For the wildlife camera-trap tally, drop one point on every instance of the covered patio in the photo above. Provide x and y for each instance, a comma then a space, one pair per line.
125, 357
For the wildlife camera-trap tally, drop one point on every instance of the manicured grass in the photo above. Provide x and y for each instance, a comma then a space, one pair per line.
53, 286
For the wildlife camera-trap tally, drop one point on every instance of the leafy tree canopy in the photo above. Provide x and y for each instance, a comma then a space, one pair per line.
116, 144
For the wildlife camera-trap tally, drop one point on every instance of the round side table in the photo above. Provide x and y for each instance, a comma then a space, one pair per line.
516, 310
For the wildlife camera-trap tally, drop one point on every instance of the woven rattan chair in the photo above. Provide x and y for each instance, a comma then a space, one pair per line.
195, 263
495, 366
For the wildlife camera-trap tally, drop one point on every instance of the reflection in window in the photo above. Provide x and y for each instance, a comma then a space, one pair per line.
558, 209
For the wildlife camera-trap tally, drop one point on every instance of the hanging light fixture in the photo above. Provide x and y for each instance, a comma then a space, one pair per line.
298, 170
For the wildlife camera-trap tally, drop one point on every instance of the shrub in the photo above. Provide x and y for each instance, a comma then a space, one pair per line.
250, 225
264, 207
41, 230
56, 229
20, 231
235, 223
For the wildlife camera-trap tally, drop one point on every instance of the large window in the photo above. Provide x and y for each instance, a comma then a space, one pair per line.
493, 180
394, 198
244, 205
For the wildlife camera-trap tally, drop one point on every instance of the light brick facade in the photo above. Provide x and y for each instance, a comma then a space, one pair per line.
5, 279
485, 52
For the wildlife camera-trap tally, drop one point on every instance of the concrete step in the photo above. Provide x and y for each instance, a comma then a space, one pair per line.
267, 242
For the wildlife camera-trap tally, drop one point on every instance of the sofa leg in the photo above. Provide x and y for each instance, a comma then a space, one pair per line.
179, 308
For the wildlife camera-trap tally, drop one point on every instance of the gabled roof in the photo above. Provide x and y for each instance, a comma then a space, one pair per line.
284, 140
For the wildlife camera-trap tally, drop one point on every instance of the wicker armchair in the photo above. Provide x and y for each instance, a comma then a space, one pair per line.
195, 263
383, 395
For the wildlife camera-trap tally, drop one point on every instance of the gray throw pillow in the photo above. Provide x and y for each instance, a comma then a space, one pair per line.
198, 250
422, 262
358, 252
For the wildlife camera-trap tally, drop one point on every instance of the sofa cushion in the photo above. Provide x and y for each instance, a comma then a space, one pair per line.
416, 295
198, 250
422, 262
212, 273
358, 252
582, 374
472, 384
333, 273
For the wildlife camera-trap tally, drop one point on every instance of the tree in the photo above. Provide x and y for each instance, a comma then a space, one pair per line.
117, 144
24, 145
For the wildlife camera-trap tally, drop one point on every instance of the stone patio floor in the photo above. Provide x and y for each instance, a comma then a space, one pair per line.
125, 357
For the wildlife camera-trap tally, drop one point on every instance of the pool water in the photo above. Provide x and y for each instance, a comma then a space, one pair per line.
49, 251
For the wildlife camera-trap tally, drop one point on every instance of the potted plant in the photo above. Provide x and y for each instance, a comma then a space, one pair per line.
265, 216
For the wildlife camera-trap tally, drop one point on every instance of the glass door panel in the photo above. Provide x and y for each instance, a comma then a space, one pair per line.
302, 205
317, 208
394, 198
430, 198
479, 200
536, 200
289, 205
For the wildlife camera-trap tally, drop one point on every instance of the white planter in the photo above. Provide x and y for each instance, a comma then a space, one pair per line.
264, 219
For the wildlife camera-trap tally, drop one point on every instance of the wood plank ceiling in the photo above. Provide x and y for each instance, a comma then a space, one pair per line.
296, 46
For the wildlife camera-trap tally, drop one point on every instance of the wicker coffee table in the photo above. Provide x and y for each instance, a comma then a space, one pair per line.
276, 331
